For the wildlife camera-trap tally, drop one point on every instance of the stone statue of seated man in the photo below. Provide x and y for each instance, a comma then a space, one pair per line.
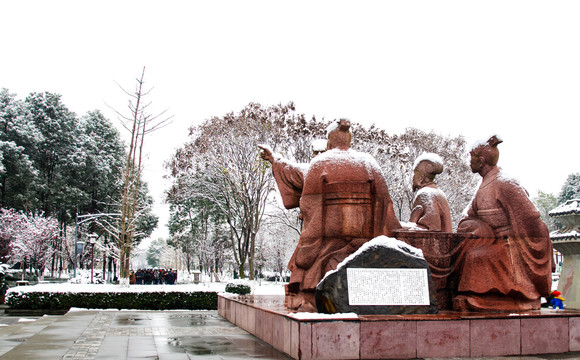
507, 266
430, 206
344, 202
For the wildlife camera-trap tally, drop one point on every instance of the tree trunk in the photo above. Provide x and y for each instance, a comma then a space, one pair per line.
251, 257
241, 271
125, 259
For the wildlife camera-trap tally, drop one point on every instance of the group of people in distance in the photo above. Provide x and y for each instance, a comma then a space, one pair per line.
153, 277
344, 202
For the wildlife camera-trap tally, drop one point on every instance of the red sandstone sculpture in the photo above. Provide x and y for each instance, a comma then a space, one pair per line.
344, 202
430, 206
508, 266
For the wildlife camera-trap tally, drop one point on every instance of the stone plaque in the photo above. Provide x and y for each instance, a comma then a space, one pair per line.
387, 286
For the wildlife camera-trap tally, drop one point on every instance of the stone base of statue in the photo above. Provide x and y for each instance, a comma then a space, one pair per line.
301, 300
448, 334
384, 277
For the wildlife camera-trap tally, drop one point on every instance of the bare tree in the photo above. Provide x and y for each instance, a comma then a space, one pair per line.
277, 240
397, 153
222, 158
139, 123
220, 165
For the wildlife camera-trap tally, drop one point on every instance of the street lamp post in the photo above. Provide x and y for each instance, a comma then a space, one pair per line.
85, 218
92, 239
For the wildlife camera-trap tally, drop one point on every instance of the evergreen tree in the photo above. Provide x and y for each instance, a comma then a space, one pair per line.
58, 156
154, 252
571, 189
546, 202
18, 176
53, 163
104, 155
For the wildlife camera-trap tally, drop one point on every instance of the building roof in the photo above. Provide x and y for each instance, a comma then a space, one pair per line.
565, 236
569, 207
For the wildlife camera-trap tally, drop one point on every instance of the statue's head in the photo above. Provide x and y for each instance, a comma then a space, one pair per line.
485, 153
426, 167
338, 134
318, 146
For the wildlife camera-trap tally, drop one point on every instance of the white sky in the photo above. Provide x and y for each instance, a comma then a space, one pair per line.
457, 67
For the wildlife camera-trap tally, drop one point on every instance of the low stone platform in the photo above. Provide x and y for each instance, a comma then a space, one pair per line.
447, 334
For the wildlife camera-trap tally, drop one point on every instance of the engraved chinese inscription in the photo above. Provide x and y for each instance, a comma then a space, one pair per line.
387, 286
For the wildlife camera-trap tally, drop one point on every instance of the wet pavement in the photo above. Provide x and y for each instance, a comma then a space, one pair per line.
162, 335
111, 334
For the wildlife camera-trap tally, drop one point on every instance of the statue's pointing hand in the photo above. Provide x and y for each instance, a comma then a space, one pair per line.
266, 153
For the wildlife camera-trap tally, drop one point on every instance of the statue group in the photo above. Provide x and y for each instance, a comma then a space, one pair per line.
505, 264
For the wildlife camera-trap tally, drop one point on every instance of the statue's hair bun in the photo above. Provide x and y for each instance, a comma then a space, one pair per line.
494, 141
344, 124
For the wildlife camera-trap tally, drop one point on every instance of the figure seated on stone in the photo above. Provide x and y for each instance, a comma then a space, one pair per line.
430, 206
344, 202
508, 266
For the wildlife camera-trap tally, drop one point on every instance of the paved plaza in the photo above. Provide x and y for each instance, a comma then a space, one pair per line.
162, 335
94, 334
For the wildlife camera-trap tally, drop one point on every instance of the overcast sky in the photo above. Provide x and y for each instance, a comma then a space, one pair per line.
457, 67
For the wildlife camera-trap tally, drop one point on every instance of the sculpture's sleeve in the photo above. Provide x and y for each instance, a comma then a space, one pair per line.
523, 215
416, 213
529, 233
471, 223
426, 215
290, 180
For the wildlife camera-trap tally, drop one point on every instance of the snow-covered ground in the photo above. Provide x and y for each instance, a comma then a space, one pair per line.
259, 288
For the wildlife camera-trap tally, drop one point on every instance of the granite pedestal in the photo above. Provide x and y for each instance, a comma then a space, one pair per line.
447, 334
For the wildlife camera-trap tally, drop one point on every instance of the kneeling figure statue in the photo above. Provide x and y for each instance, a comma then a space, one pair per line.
507, 264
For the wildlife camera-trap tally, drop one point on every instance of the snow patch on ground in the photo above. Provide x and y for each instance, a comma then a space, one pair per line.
26, 320
318, 316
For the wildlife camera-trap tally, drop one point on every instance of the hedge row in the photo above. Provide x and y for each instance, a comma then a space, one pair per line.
114, 300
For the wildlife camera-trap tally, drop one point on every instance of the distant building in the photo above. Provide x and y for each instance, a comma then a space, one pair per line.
567, 242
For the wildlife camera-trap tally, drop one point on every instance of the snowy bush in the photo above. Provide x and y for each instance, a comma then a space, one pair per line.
239, 287
3, 269
84, 277
3, 286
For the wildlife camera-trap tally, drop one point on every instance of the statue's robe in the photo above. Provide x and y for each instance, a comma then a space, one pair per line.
344, 202
431, 209
508, 266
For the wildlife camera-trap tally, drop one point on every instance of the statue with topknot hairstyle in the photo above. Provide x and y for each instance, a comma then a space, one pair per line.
487, 152
344, 202
507, 265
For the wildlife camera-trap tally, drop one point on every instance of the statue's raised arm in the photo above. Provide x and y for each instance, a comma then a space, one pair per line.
266, 153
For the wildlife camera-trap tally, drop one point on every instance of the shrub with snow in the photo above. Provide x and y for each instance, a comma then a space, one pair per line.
84, 277
239, 287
